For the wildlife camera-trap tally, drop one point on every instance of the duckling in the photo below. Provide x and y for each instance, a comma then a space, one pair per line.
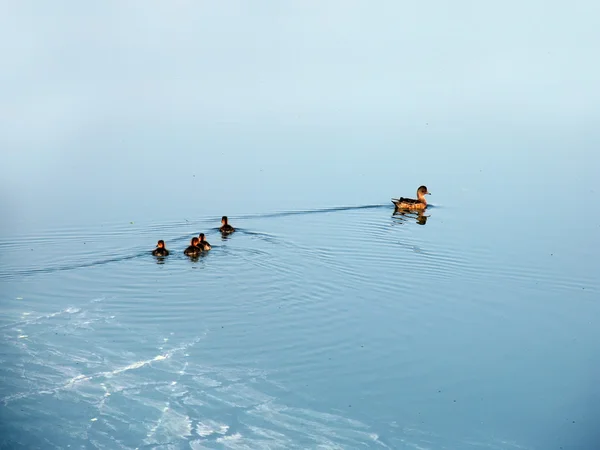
160, 249
225, 227
203, 244
193, 249
409, 203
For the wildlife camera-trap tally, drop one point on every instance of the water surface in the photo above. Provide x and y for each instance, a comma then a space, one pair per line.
337, 327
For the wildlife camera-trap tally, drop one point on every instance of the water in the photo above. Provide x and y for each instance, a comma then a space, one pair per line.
339, 327
325, 321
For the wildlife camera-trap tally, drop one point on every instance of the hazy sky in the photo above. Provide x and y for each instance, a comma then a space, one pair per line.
97, 96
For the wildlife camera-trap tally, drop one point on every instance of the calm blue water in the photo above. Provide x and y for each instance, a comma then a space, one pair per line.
325, 321
340, 327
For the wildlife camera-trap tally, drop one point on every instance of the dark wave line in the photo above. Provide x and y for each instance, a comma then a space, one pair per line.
265, 216
139, 254
70, 267
311, 211
283, 214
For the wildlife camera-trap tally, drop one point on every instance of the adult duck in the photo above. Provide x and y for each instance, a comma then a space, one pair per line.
411, 203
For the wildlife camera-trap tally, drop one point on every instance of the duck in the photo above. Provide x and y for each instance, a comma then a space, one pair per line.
193, 249
203, 243
225, 227
409, 203
160, 249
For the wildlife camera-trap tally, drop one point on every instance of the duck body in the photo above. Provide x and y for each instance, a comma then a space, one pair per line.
413, 204
226, 229
408, 203
160, 249
203, 243
192, 250
160, 252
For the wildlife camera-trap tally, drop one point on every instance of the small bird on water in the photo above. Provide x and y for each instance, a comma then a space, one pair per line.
203, 244
410, 203
160, 249
193, 249
225, 227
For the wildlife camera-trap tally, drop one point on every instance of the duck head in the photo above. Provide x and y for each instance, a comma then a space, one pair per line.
422, 192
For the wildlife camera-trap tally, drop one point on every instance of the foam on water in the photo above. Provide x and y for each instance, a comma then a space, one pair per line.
167, 404
210, 427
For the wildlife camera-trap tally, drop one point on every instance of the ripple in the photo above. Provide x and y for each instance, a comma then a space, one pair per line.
342, 327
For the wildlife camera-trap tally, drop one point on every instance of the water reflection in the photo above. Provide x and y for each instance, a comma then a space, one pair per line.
404, 215
160, 259
197, 257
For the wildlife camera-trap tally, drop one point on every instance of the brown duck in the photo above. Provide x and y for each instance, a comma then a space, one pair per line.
410, 203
